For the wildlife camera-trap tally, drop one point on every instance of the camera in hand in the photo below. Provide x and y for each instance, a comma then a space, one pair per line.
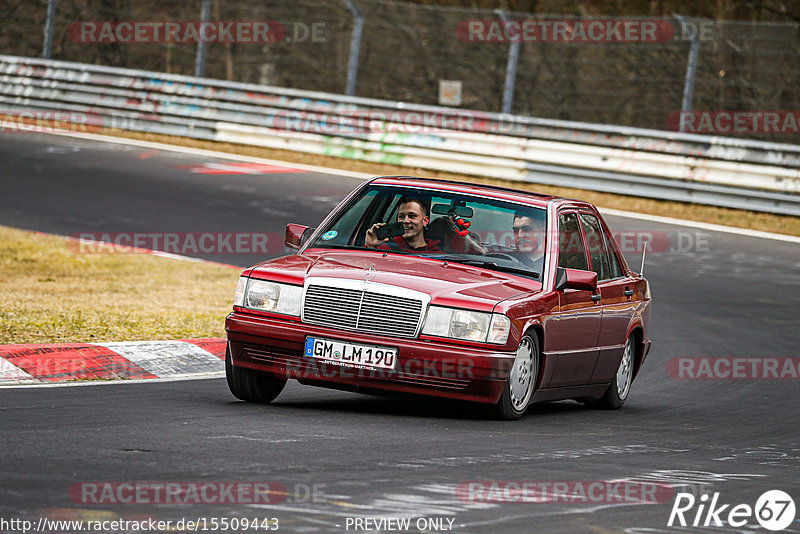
390, 230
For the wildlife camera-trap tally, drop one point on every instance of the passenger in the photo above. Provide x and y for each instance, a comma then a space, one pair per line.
413, 213
454, 238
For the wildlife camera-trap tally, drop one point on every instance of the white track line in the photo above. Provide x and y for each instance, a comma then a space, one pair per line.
365, 176
214, 154
176, 378
701, 225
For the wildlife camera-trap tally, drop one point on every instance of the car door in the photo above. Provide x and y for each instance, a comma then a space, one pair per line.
579, 315
616, 297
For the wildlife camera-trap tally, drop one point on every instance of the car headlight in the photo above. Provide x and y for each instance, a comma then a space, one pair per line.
467, 325
269, 296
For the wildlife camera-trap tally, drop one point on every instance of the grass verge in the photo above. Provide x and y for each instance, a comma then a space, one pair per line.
766, 222
49, 294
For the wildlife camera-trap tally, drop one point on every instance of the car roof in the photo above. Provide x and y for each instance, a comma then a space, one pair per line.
492, 191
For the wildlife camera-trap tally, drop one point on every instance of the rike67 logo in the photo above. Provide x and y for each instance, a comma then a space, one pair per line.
774, 510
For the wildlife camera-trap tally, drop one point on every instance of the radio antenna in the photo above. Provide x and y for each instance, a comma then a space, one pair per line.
644, 251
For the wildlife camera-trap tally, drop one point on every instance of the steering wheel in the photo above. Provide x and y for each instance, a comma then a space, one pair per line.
501, 255
522, 258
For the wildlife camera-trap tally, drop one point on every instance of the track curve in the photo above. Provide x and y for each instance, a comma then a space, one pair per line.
715, 294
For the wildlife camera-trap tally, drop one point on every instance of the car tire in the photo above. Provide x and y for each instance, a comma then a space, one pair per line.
617, 393
521, 381
250, 385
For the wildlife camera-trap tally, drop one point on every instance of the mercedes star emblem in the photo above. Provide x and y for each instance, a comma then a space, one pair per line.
369, 273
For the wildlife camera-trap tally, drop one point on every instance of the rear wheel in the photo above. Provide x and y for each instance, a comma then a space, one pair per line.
521, 381
250, 385
617, 392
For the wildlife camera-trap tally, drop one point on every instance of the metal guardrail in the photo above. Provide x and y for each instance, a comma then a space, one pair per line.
719, 171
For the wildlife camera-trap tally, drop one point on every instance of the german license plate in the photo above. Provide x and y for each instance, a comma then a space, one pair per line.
372, 356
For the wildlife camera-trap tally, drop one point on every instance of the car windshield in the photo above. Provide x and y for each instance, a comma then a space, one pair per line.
454, 227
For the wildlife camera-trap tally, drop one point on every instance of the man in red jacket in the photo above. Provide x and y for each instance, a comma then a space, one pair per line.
413, 213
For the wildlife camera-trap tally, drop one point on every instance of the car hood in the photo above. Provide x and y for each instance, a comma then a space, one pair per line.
451, 285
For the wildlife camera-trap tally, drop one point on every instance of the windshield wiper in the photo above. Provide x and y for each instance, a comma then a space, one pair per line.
333, 245
487, 264
505, 268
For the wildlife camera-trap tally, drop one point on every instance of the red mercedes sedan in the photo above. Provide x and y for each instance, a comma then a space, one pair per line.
450, 289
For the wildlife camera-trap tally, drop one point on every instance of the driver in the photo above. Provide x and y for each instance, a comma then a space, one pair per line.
528, 236
413, 214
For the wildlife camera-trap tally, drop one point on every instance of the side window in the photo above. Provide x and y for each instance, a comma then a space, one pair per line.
571, 253
597, 246
604, 261
613, 261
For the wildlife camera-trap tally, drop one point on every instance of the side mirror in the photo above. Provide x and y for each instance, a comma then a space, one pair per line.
575, 279
296, 235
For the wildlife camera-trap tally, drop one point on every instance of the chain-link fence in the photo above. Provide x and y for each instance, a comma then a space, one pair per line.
402, 51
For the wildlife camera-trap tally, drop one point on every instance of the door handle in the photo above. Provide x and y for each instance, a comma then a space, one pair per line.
597, 297
629, 292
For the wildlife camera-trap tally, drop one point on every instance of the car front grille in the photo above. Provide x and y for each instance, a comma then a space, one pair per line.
372, 309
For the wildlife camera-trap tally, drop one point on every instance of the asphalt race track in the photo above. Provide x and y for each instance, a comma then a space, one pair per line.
70, 186
335, 456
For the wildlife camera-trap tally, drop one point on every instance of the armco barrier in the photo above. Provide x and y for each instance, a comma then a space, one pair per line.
719, 171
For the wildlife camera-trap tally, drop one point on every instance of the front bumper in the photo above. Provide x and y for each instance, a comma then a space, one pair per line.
424, 367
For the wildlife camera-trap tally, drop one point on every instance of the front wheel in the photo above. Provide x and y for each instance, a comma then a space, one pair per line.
250, 385
521, 381
617, 392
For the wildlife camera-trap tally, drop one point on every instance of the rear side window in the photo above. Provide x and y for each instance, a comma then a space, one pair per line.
604, 261
571, 252
613, 261
597, 248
